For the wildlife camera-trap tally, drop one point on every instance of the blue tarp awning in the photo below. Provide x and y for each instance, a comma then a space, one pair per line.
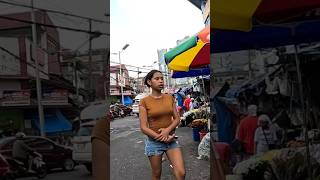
55, 122
191, 73
127, 101
265, 36
224, 122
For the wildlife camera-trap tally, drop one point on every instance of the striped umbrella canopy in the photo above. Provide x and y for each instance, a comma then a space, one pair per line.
268, 23
192, 53
191, 73
252, 12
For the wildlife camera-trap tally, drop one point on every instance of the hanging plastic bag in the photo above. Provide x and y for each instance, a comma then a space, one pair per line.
204, 147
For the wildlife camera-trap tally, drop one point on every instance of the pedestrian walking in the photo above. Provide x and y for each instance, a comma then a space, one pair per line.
158, 120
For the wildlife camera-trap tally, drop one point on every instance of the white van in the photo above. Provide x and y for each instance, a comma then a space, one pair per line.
135, 106
82, 147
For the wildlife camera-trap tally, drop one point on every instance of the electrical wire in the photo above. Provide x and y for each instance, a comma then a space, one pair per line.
53, 11
55, 26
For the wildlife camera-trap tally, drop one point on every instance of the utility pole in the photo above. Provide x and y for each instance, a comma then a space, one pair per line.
168, 80
121, 78
38, 79
75, 61
249, 64
106, 76
90, 57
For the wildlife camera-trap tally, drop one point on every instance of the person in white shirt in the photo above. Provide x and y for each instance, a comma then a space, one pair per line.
265, 137
192, 104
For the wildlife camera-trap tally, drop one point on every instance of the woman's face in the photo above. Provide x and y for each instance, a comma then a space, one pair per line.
263, 124
156, 81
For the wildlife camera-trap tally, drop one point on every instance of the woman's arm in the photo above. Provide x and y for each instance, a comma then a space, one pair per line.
255, 147
144, 124
175, 121
101, 149
100, 160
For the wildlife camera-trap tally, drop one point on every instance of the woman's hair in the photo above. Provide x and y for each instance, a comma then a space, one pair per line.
264, 118
252, 110
149, 76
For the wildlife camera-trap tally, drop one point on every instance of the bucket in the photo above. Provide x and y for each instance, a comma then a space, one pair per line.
202, 134
195, 134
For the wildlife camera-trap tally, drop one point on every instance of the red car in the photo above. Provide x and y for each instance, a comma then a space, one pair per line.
54, 155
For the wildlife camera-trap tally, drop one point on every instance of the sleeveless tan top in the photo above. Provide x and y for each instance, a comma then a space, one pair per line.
159, 111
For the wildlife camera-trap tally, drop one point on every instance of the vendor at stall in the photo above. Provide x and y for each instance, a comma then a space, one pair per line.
265, 137
246, 131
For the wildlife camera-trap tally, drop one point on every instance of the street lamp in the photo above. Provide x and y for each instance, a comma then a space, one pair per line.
121, 85
152, 66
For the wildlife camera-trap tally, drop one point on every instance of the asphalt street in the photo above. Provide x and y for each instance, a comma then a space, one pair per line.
128, 161
79, 173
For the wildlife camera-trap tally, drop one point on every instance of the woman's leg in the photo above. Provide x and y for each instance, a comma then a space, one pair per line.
156, 166
176, 159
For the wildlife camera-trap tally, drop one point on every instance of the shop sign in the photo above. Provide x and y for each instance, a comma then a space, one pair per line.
15, 98
55, 97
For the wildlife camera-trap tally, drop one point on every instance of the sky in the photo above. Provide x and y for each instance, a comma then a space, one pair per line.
149, 25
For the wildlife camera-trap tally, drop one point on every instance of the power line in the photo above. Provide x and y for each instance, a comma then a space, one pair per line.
131, 65
164, 73
97, 33
18, 58
53, 11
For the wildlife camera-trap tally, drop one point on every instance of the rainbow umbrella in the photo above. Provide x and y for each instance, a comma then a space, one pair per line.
254, 12
233, 14
191, 73
192, 53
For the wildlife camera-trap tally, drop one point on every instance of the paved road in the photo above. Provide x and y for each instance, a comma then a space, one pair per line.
79, 173
128, 161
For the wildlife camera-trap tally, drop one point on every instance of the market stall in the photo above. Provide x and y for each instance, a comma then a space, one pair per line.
272, 24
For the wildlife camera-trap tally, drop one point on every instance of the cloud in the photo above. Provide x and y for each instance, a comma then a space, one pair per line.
148, 25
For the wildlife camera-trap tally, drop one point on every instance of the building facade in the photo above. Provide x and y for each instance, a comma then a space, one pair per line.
18, 98
117, 80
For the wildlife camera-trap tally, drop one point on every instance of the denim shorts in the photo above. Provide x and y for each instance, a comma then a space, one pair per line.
155, 148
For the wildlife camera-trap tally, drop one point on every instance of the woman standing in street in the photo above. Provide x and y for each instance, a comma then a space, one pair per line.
158, 120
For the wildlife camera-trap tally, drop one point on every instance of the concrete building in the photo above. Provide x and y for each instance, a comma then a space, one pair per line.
117, 80
18, 100
100, 58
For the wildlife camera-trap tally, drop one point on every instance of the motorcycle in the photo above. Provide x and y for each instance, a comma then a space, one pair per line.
5, 172
38, 167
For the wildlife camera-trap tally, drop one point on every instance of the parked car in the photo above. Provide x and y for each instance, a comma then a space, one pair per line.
135, 106
82, 150
54, 155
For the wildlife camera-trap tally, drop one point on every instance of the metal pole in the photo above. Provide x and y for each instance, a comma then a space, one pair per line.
121, 77
249, 64
38, 79
168, 81
304, 111
76, 79
90, 56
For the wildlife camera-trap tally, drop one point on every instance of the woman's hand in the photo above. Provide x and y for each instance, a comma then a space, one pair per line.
164, 133
170, 138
